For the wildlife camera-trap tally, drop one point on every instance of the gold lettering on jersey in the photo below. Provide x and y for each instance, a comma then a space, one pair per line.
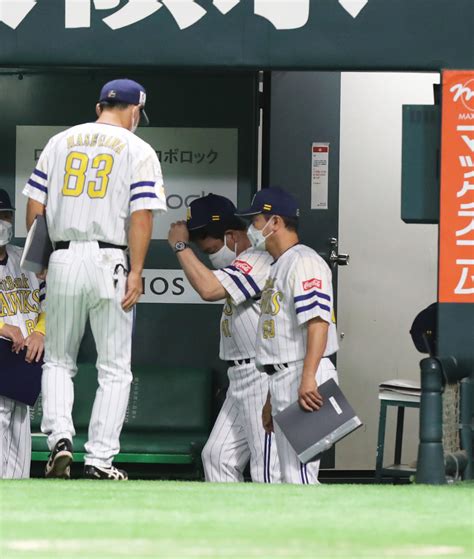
16, 297
271, 300
101, 140
9, 283
228, 309
30, 326
225, 329
4, 308
268, 329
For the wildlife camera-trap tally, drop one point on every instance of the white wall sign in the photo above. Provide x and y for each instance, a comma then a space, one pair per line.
319, 175
283, 14
195, 162
168, 286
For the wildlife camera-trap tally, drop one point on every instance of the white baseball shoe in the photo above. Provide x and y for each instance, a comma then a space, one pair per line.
101, 472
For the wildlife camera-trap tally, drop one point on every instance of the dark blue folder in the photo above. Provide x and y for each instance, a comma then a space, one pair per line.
19, 380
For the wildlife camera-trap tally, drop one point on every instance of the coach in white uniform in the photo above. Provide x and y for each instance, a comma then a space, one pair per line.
238, 435
22, 321
296, 331
99, 185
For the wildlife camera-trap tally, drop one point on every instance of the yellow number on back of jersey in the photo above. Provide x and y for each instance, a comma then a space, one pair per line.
75, 176
104, 163
76, 167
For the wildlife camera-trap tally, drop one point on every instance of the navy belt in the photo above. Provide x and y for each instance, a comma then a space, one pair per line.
272, 369
236, 362
64, 245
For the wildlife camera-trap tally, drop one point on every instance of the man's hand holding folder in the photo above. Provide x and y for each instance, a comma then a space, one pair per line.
14, 334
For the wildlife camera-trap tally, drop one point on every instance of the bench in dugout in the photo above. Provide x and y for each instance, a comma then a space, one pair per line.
168, 418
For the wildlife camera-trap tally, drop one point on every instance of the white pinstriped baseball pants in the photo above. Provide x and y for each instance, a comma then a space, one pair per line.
238, 433
86, 281
15, 439
284, 391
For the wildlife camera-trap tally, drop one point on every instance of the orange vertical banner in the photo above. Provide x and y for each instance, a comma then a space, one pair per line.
456, 250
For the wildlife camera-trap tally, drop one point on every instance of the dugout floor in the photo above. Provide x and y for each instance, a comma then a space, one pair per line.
135, 519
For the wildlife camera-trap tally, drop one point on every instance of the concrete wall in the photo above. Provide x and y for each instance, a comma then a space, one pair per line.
393, 268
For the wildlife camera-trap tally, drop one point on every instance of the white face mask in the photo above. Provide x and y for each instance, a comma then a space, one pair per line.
256, 237
6, 232
223, 257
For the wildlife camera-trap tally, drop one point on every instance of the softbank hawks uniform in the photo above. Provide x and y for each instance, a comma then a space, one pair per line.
21, 302
238, 434
299, 288
91, 178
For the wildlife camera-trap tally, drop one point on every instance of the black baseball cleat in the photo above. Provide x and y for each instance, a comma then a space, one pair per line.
59, 462
102, 472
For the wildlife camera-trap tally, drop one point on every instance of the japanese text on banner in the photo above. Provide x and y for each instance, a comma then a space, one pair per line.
456, 260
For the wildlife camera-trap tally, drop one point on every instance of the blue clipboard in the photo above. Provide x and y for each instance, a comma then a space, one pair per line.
19, 380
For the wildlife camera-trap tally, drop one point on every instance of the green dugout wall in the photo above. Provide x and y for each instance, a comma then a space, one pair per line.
165, 334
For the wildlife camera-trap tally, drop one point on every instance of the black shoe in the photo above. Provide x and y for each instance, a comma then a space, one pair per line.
101, 472
59, 462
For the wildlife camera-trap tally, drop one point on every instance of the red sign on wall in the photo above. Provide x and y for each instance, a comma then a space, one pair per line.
456, 258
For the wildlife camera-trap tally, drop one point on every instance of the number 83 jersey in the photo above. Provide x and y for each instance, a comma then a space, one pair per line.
91, 178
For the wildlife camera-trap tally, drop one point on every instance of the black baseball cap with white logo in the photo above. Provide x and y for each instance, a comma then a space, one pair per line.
5, 202
126, 91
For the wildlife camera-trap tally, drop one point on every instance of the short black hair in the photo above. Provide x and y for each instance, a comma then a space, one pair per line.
114, 105
291, 223
217, 229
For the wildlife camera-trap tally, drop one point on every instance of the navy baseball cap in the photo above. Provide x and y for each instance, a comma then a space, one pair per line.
126, 91
5, 202
211, 210
274, 201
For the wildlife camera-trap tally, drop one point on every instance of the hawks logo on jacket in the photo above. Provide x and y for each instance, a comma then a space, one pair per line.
21, 296
282, 326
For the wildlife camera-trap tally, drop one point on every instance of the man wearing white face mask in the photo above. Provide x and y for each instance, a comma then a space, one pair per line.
238, 435
23, 322
296, 330
100, 186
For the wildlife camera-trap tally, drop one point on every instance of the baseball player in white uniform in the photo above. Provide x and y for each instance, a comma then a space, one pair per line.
238, 435
99, 185
22, 321
296, 330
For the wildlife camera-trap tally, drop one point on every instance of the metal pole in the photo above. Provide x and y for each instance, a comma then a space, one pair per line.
430, 463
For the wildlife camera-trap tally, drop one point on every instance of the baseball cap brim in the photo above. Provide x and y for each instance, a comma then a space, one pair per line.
144, 120
249, 212
192, 226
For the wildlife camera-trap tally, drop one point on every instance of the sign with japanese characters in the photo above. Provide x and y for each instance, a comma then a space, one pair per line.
283, 14
195, 162
248, 34
456, 259
319, 175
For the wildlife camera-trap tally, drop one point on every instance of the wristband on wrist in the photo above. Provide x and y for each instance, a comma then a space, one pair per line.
41, 324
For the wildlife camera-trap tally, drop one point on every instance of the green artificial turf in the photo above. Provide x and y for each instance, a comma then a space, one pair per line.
90, 519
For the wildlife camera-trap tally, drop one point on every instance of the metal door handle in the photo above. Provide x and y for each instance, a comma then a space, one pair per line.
339, 259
